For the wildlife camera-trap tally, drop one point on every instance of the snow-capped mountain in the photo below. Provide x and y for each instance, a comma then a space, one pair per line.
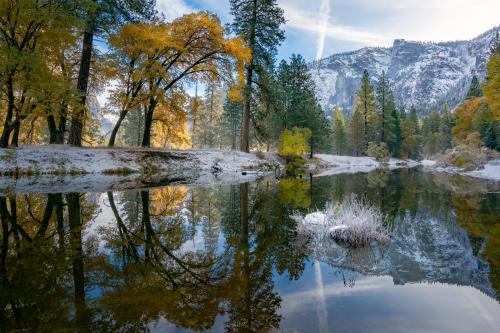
425, 75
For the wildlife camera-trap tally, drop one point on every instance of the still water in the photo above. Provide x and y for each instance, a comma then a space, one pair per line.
228, 258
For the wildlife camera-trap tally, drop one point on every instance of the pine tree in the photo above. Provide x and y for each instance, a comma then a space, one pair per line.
397, 134
447, 123
339, 132
431, 135
386, 108
365, 105
475, 88
357, 133
259, 23
231, 122
411, 147
495, 44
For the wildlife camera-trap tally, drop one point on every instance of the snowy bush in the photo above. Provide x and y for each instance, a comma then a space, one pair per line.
352, 222
379, 151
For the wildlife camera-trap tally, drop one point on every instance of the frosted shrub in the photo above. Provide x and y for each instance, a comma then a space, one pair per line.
352, 222
379, 151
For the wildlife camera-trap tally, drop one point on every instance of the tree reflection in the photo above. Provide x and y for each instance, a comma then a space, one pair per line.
191, 255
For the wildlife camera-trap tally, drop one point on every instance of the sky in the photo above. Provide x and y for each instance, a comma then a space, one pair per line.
319, 28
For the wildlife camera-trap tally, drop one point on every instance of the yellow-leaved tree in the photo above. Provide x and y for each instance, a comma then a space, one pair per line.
491, 88
160, 57
294, 144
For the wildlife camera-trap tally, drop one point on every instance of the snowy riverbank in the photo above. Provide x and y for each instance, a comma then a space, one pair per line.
67, 160
490, 171
62, 168
335, 164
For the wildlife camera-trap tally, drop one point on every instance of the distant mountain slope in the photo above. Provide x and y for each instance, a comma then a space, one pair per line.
422, 74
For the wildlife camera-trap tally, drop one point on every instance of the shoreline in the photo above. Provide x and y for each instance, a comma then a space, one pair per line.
62, 168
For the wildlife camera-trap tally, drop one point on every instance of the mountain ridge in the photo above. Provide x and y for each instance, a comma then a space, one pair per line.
422, 74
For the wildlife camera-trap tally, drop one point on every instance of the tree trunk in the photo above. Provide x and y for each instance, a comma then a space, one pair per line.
76, 131
7, 126
245, 132
75, 226
148, 123
56, 133
112, 138
15, 135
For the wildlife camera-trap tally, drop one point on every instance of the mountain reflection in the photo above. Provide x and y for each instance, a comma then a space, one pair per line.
207, 257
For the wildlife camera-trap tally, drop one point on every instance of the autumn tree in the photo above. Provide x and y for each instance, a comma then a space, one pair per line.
259, 23
28, 30
100, 17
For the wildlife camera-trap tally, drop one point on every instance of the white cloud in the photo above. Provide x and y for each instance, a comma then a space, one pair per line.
173, 8
307, 20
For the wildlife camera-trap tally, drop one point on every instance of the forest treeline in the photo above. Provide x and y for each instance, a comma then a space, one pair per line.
193, 82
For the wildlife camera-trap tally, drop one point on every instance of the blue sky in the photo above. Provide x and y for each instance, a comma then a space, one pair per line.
318, 28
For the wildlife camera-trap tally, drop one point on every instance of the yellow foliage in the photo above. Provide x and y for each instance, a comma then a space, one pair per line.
170, 128
167, 201
295, 192
294, 142
491, 87
465, 114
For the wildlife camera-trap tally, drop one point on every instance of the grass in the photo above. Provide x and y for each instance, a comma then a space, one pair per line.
124, 171
352, 222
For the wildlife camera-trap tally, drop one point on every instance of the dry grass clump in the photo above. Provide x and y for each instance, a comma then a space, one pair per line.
352, 222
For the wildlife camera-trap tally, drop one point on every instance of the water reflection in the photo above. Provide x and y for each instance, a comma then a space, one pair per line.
228, 258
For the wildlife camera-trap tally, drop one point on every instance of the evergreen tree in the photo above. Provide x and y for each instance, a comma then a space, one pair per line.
447, 123
365, 105
259, 23
339, 132
411, 147
357, 133
475, 88
431, 133
231, 122
396, 140
385, 107
495, 44
290, 102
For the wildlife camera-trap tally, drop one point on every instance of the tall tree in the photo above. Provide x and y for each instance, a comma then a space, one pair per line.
231, 121
259, 23
396, 140
101, 16
357, 133
365, 105
447, 123
339, 132
386, 108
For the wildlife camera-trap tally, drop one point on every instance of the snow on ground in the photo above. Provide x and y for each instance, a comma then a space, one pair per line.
58, 159
428, 163
350, 164
491, 171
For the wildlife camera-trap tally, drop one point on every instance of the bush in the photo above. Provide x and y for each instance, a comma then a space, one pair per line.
352, 222
379, 151
464, 156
